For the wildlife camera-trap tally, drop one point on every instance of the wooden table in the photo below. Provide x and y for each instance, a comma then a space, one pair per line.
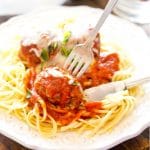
141, 142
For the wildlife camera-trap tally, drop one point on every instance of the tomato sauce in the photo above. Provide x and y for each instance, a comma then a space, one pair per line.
58, 91
101, 71
64, 101
27, 54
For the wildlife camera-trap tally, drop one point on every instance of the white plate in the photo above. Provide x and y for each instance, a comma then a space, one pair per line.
115, 30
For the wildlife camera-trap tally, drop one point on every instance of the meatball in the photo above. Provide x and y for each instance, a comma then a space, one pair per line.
28, 54
32, 48
59, 88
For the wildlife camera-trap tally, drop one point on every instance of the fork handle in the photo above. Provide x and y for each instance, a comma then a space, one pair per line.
99, 92
132, 83
110, 5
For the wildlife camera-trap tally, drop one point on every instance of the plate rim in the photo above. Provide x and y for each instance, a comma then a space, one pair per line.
146, 125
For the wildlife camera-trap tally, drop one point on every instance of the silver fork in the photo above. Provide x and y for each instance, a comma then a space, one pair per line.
100, 91
81, 56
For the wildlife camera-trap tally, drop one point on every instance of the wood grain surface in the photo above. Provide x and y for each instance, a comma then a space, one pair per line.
141, 142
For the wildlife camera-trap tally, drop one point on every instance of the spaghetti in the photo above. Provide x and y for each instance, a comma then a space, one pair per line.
50, 100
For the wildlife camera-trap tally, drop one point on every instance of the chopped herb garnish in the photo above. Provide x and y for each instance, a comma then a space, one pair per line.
67, 35
52, 47
42, 65
63, 24
74, 83
65, 51
28, 95
55, 45
44, 54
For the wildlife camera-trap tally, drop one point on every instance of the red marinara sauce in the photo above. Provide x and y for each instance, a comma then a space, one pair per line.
55, 86
27, 54
101, 71
64, 101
